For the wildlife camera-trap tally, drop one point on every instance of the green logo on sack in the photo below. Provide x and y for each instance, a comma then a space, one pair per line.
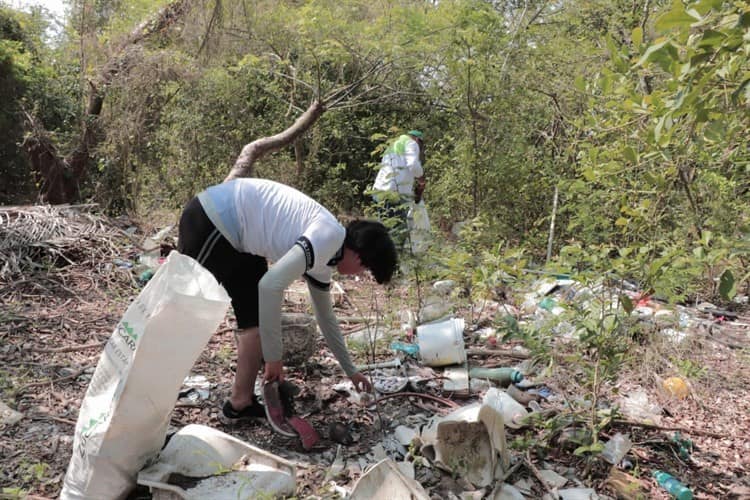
128, 334
87, 429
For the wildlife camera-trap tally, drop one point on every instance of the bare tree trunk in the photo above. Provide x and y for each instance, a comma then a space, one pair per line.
252, 152
59, 178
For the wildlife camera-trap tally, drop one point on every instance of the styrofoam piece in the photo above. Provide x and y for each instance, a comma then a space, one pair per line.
224, 468
385, 480
578, 494
470, 441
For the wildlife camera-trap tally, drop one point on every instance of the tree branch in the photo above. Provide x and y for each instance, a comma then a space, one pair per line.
259, 148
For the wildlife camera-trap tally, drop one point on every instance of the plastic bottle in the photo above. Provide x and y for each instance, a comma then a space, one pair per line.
673, 486
504, 376
410, 349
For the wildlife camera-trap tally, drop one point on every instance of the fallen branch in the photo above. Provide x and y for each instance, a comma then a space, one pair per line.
497, 352
535, 471
510, 471
70, 348
23, 388
45, 416
696, 432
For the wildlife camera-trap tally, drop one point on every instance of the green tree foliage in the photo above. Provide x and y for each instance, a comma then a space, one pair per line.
30, 81
636, 111
663, 152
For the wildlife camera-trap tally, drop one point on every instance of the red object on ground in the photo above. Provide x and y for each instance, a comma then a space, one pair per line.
307, 434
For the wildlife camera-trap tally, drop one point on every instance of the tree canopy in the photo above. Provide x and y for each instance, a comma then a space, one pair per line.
635, 112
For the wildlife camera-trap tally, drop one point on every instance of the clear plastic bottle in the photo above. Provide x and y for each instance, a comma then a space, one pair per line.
672, 485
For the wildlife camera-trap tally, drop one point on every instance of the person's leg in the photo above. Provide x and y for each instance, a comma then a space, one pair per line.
249, 358
242, 285
239, 273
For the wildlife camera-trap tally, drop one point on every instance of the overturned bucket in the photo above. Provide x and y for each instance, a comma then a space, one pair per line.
442, 343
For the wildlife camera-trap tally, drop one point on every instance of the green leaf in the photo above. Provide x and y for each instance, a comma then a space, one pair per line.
677, 18
593, 448
744, 87
715, 131
703, 7
663, 53
727, 288
580, 83
711, 39
630, 154
637, 36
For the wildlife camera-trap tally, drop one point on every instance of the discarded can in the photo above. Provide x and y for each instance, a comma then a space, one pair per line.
672, 485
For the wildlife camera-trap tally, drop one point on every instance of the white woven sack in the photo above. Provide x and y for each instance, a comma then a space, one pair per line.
124, 416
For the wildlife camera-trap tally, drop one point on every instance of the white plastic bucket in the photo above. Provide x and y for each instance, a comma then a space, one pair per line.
442, 343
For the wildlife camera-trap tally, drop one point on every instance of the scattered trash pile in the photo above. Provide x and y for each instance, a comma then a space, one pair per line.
459, 445
483, 406
472, 397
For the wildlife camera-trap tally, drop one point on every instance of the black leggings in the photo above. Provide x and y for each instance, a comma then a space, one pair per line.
238, 272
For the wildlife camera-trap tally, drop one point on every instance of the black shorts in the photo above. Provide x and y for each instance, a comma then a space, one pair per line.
238, 272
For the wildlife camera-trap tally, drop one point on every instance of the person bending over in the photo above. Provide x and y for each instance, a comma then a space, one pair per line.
233, 228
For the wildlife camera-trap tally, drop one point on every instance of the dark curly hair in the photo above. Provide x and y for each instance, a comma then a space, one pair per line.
372, 242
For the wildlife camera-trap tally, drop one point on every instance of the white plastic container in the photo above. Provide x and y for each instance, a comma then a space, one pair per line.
442, 343
215, 465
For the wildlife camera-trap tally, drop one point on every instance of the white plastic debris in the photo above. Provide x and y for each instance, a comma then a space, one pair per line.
637, 407
506, 491
386, 480
552, 478
470, 441
9, 416
222, 468
405, 435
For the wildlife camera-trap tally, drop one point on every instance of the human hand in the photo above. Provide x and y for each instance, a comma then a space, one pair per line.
274, 371
361, 383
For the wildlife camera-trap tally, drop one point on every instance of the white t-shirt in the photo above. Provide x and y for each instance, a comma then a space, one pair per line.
266, 218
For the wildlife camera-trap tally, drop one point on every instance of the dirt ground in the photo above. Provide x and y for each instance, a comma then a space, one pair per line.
55, 318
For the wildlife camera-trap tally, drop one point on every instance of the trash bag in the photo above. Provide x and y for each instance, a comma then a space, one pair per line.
124, 416
418, 222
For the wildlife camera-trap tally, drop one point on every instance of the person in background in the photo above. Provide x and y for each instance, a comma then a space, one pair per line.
400, 180
232, 228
